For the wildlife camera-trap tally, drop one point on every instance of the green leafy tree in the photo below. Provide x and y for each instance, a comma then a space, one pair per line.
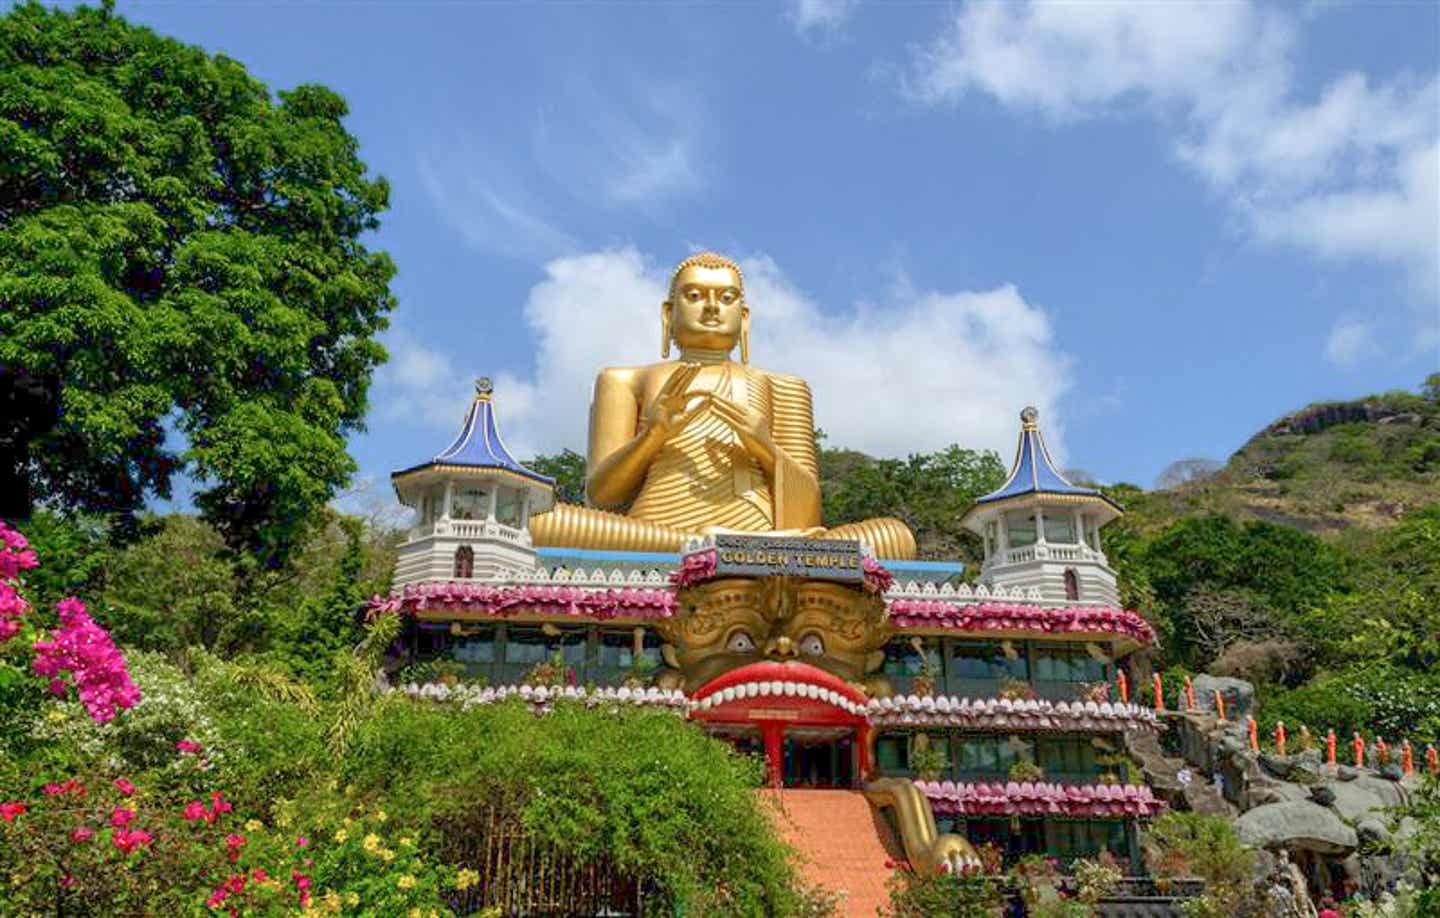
179, 253
567, 467
929, 491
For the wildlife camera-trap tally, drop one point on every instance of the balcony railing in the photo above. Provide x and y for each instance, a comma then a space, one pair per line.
471, 529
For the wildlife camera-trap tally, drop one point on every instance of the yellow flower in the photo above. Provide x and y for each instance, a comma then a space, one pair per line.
352, 899
466, 878
406, 881
349, 821
380, 816
253, 825
387, 855
416, 913
407, 842
283, 819
332, 902
372, 843
55, 714
341, 835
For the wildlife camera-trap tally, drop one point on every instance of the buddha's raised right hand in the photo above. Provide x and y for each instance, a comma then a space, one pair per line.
674, 406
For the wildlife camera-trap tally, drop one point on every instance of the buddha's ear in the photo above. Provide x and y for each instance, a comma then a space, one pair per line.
666, 328
744, 334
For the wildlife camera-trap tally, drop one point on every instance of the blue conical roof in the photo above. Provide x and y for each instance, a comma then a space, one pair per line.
1034, 471
478, 444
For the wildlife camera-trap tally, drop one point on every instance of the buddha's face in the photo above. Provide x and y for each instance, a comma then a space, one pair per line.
706, 307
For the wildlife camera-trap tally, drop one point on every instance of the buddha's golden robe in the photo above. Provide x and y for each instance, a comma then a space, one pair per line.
703, 480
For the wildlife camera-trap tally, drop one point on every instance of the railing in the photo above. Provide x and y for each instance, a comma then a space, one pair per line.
522, 876
470, 529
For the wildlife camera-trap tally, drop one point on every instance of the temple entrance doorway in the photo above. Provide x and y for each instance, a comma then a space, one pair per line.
818, 757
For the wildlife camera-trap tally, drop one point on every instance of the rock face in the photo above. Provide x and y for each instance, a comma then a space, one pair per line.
1239, 695
1297, 825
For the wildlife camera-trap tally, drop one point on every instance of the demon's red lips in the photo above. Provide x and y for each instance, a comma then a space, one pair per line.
776, 679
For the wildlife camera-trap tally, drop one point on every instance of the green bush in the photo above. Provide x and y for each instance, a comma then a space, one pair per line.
648, 791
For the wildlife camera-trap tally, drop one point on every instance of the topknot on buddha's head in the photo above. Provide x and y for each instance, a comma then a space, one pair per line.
707, 260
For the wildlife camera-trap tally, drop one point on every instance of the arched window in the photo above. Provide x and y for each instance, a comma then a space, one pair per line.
464, 562
1072, 584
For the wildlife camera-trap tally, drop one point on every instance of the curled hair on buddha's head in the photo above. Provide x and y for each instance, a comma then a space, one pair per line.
707, 260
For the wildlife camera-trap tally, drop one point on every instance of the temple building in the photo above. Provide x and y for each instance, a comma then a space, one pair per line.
984, 712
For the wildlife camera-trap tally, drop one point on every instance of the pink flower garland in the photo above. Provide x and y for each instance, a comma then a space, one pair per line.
85, 650
877, 578
1027, 798
695, 568
906, 612
647, 604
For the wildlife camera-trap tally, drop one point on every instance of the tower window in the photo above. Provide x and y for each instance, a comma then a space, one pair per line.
464, 562
1072, 584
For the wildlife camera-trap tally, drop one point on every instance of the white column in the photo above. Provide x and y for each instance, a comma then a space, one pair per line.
449, 498
1079, 530
525, 510
490, 513
1039, 526
1004, 537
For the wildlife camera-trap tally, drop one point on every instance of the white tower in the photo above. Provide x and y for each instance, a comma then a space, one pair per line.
473, 503
1042, 531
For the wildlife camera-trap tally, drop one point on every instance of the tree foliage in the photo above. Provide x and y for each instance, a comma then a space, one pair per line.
929, 491
179, 254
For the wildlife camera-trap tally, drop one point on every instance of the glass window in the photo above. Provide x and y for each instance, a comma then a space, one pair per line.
988, 756
1067, 757
464, 562
1066, 663
1020, 525
470, 504
902, 660
892, 755
617, 649
1060, 527
507, 507
474, 648
988, 660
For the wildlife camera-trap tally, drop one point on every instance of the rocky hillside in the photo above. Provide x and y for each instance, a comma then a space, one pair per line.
1326, 468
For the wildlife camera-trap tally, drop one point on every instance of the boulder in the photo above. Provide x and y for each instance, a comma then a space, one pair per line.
1239, 695
1322, 795
1297, 825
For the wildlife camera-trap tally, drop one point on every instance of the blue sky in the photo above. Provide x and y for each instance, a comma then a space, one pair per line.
1163, 224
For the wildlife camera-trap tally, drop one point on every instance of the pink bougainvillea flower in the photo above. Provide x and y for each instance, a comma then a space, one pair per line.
260, 875
127, 840
219, 803
217, 898
302, 882
86, 652
234, 843
188, 747
124, 787
194, 810
121, 817
8, 811
236, 883
302, 841
82, 834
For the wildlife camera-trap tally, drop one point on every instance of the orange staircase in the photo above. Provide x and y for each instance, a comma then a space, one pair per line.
843, 844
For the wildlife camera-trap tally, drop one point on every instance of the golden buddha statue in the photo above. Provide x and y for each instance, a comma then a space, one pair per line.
691, 447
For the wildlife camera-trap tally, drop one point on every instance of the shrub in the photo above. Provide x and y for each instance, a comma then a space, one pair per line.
647, 791
913, 895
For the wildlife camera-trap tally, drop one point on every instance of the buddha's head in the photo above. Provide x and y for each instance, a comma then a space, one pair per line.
706, 307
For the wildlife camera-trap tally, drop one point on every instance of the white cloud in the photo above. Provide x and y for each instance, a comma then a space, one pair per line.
1351, 342
910, 375
808, 16
1349, 174
493, 212
423, 383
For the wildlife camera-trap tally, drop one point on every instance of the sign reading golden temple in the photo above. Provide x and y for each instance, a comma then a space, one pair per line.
768, 556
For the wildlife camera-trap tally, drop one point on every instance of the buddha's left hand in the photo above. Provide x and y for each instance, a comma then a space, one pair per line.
751, 427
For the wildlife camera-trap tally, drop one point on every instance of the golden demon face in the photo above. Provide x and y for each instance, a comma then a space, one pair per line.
728, 623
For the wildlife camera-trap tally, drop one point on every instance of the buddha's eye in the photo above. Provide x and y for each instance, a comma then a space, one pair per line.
692, 294
812, 645
728, 296
740, 642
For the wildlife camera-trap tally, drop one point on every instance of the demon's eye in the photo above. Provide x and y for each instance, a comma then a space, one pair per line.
740, 642
812, 645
